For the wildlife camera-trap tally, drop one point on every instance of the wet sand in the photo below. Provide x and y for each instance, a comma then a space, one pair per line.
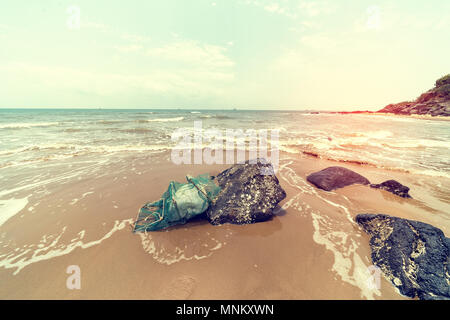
311, 249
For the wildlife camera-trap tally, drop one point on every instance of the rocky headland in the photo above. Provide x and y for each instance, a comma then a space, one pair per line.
434, 102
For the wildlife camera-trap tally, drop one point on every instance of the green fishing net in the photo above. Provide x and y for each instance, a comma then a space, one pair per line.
181, 202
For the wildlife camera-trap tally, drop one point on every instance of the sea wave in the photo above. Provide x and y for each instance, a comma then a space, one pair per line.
51, 152
378, 134
166, 119
216, 116
74, 130
108, 122
421, 143
91, 148
353, 160
363, 140
26, 125
137, 130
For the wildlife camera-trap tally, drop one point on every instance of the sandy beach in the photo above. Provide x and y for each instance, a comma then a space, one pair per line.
311, 249
130, 134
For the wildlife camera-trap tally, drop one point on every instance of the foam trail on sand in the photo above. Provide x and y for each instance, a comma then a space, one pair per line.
330, 232
18, 258
8, 208
184, 246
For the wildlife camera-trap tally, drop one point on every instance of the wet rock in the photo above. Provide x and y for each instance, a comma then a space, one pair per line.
413, 255
250, 192
333, 178
394, 187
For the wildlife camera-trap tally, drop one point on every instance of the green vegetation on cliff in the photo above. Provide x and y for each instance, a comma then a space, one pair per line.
445, 80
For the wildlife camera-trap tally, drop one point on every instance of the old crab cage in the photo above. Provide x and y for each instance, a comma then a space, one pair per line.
180, 203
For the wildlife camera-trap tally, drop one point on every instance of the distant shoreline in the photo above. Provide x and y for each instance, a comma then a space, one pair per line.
375, 113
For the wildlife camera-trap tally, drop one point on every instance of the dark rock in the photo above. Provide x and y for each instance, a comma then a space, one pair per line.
413, 255
425, 296
394, 187
434, 102
250, 192
335, 177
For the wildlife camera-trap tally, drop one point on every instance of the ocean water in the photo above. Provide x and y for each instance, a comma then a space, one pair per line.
44, 153
37, 138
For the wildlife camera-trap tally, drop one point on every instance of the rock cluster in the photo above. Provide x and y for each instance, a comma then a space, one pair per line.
333, 178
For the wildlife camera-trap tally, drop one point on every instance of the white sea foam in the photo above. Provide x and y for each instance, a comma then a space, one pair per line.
419, 143
25, 185
66, 151
166, 119
22, 125
345, 257
75, 200
9, 208
347, 263
18, 259
379, 134
170, 252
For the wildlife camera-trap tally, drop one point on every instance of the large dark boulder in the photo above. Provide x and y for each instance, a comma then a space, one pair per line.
413, 255
250, 192
394, 187
335, 177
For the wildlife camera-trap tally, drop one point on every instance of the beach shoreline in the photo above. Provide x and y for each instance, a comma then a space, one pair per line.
311, 249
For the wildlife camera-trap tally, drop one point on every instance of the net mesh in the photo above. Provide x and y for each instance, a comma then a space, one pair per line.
180, 203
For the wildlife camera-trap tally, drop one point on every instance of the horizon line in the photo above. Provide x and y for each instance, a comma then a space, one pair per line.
348, 109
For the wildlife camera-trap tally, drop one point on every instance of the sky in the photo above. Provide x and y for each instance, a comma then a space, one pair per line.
203, 54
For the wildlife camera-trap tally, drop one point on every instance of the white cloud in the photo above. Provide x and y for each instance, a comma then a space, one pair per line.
315, 8
193, 53
4, 30
135, 38
273, 7
95, 25
4, 27
129, 48
294, 8
179, 66
318, 41
182, 68
392, 18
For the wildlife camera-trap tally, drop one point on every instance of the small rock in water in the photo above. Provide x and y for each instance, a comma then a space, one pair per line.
250, 192
413, 255
394, 187
333, 178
